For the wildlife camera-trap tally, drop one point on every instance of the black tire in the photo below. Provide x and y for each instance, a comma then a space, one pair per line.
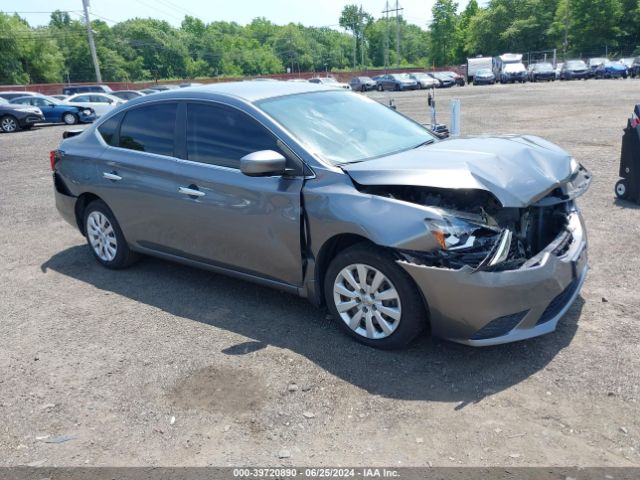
9, 124
70, 118
413, 316
379, 87
124, 256
397, 88
622, 190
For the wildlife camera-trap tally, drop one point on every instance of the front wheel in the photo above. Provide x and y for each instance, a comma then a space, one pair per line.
9, 124
105, 237
70, 118
373, 299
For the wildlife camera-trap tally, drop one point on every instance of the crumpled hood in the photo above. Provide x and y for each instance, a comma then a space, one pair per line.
518, 170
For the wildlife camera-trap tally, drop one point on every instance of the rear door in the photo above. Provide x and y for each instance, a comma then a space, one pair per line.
136, 173
251, 224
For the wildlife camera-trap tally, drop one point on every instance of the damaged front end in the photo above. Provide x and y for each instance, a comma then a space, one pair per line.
472, 229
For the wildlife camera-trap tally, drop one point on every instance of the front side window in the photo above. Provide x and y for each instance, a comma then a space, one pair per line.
150, 129
220, 135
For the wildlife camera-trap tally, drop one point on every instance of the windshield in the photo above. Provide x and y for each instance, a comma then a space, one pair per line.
576, 64
342, 127
401, 76
543, 67
513, 67
484, 71
420, 75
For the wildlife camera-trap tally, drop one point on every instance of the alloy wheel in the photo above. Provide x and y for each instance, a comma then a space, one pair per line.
367, 302
9, 124
102, 236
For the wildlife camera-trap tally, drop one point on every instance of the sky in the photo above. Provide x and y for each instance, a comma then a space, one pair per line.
309, 13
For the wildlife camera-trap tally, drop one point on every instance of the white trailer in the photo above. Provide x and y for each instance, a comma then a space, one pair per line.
477, 63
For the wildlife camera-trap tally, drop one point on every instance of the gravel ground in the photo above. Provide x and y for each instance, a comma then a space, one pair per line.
166, 365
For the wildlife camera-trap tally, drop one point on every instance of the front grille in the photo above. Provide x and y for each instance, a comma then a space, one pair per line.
559, 302
500, 326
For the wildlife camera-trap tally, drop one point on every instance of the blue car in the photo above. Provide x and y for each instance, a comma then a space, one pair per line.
609, 69
55, 111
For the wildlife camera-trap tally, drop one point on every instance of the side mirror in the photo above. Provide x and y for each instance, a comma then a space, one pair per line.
264, 163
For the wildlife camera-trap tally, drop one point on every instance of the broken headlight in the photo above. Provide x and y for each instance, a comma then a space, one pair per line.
455, 233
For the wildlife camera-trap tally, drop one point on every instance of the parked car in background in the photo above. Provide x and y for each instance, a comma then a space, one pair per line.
189, 84
362, 84
627, 61
425, 80
72, 90
594, 62
611, 69
15, 117
149, 91
10, 95
477, 63
101, 103
634, 70
575, 70
542, 72
127, 94
59, 96
459, 79
512, 73
285, 184
57, 111
484, 76
330, 82
397, 82
445, 80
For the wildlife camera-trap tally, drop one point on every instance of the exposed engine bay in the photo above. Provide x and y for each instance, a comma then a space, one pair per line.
477, 231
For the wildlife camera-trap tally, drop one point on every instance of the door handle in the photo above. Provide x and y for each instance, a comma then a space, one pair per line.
191, 192
111, 176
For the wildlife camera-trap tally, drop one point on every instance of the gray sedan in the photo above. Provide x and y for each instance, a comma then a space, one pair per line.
478, 240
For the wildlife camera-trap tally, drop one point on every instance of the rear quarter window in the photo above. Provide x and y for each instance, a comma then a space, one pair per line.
109, 129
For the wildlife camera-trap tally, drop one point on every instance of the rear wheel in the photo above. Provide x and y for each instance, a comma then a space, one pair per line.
70, 118
373, 299
105, 238
9, 124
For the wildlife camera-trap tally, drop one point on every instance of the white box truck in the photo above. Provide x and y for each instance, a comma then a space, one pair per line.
477, 63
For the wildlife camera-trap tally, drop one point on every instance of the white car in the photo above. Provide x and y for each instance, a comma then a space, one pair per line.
330, 82
100, 102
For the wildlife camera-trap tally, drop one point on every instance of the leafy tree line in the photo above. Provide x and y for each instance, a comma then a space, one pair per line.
573, 27
147, 49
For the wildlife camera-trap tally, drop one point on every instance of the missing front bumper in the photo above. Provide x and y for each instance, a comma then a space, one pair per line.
526, 302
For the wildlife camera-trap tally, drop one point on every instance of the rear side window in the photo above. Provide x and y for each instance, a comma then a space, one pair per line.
220, 135
109, 129
150, 129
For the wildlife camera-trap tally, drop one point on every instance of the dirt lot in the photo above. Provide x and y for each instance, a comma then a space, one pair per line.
166, 365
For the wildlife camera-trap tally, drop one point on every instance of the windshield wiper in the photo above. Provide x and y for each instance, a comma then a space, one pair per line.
427, 142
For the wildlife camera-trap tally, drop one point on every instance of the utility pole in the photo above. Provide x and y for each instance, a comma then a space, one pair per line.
92, 46
386, 11
386, 36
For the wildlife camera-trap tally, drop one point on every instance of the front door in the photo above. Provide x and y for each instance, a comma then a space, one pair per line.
251, 224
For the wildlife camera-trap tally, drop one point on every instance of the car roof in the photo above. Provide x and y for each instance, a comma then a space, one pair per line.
248, 91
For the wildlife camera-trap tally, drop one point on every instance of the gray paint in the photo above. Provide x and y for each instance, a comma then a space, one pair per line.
273, 229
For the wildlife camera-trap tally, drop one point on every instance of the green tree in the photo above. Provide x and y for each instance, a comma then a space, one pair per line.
443, 31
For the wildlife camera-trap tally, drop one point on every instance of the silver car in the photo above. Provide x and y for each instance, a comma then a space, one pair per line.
478, 240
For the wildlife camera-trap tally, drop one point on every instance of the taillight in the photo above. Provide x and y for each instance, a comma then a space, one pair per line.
635, 121
53, 157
